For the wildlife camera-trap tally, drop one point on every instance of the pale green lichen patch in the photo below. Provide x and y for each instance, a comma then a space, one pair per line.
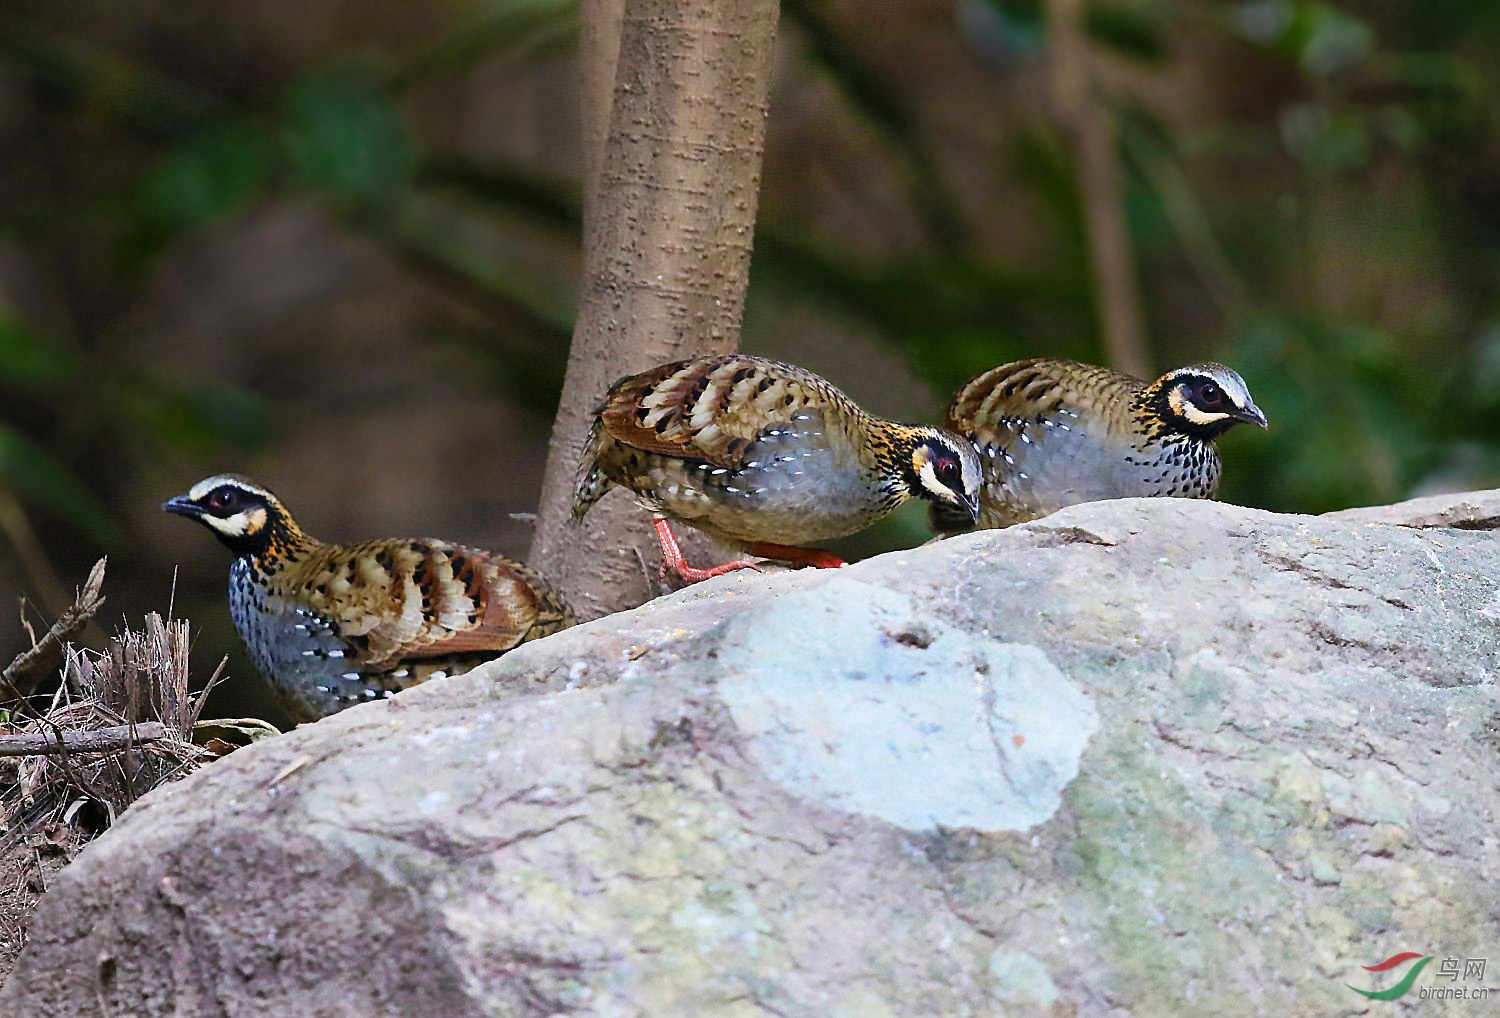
1022, 979
1173, 923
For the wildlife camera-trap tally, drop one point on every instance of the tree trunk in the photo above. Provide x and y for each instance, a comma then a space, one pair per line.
667, 234
598, 54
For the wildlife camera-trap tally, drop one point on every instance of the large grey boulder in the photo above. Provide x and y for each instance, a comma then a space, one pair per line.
1470, 510
1145, 758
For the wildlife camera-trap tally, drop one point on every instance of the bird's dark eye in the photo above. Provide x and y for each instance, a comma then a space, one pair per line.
224, 500
1209, 394
947, 470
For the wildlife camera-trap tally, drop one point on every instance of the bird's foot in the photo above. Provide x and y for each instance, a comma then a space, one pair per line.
815, 557
672, 560
693, 574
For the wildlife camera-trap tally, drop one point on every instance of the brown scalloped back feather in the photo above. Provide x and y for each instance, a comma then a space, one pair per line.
748, 450
1038, 386
712, 408
398, 599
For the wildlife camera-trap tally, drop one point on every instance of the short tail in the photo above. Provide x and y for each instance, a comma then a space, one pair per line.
592, 482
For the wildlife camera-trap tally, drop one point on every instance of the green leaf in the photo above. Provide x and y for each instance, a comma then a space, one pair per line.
1324, 140
193, 187
28, 359
1329, 40
198, 418
344, 138
507, 189
1004, 30
507, 31
1322, 38
1129, 29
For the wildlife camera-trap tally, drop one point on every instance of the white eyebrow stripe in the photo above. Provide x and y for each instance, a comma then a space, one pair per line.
206, 485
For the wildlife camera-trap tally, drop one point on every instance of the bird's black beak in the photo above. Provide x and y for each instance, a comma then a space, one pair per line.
182, 506
1252, 414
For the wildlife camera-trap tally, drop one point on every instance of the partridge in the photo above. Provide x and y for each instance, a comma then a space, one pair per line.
331, 625
764, 456
1053, 433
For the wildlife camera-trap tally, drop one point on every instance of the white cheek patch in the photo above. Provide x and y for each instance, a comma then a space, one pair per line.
240, 524
1197, 416
231, 526
1182, 408
929, 478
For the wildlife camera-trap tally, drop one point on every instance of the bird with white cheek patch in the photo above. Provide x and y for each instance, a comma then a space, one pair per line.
764, 456
1053, 433
332, 625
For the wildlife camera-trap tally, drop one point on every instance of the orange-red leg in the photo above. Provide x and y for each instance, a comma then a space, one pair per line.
815, 557
672, 556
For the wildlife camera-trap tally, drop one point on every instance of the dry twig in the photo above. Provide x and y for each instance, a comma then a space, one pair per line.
23, 675
120, 724
97, 740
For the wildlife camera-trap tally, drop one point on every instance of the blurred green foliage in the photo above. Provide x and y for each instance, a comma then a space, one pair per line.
193, 187
71, 396
344, 139
1134, 30
1356, 134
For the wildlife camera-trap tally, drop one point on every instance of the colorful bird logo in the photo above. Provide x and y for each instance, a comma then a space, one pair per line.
1401, 988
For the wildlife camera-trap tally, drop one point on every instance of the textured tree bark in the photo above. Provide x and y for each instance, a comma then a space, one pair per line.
668, 227
598, 53
1098, 164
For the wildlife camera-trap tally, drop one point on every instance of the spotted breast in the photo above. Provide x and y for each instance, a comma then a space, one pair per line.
1053, 433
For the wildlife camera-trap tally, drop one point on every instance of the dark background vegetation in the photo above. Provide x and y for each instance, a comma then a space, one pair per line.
335, 244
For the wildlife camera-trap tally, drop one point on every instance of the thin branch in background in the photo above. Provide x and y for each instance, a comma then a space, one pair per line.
506, 188
501, 33
1190, 222
1099, 178
16, 526
507, 313
31, 667
881, 105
